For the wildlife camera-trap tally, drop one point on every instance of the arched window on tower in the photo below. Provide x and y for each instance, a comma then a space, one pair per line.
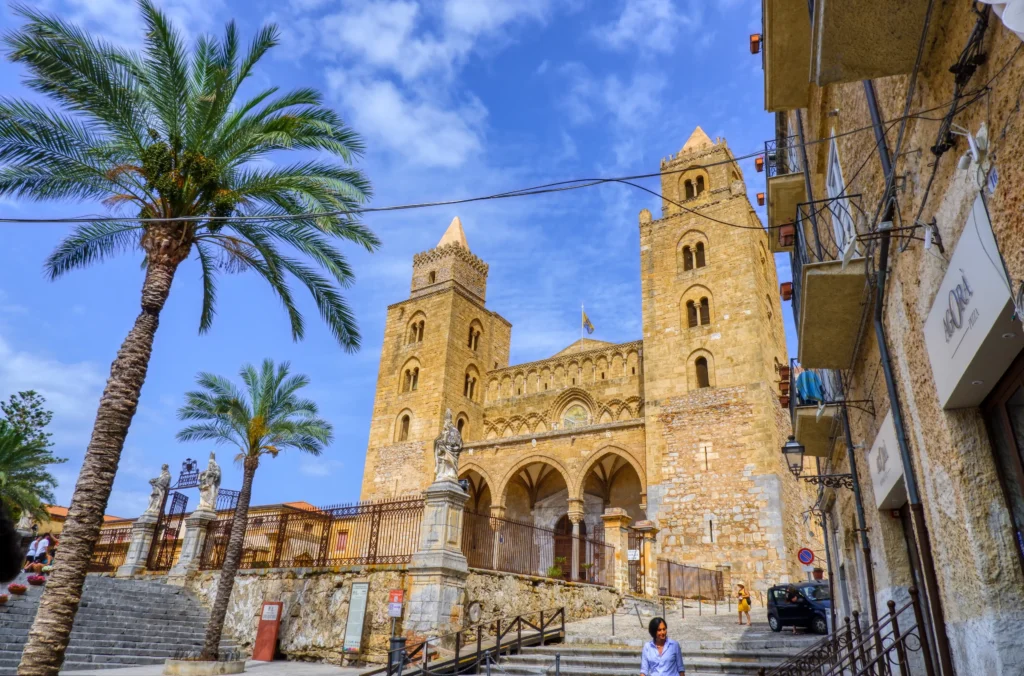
701, 365
700, 255
691, 314
688, 188
687, 258
705, 311
403, 428
700, 185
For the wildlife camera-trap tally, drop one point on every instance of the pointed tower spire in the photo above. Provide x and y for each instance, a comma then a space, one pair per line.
455, 234
697, 139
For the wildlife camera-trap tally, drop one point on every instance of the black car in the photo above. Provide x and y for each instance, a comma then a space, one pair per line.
806, 604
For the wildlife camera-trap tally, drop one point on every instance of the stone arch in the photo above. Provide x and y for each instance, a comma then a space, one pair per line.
481, 487
694, 183
476, 331
409, 375
598, 456
692, 250
692, 366
403, 426
415, 327
566, 398
696, 307
536, 458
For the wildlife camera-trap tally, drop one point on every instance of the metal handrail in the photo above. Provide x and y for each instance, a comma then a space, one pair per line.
400, 656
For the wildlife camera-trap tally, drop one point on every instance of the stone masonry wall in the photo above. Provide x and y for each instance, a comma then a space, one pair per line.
316, 604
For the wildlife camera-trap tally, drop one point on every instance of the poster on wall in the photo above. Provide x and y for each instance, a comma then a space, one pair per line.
356, 617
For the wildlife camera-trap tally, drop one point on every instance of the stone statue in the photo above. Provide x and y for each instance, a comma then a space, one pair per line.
160, 486
209, 484
447, 447
25, 523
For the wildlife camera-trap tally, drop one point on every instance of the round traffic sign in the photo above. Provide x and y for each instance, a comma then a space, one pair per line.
806, 556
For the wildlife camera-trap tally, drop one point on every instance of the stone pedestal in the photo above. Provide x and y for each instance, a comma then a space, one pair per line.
438, 569
191, 545
650, 532
143, 531
616, 533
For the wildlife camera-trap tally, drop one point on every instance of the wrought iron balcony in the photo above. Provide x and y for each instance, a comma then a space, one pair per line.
829, 279
786, 188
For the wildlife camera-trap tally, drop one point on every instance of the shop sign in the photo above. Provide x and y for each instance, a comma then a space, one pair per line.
886, 467
970, 332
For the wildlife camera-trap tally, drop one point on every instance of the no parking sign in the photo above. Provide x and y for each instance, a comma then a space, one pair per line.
806, 556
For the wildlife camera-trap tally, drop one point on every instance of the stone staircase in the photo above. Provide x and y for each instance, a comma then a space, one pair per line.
593, 661
119, 623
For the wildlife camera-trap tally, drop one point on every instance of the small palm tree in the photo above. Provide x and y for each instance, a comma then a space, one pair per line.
265, 419
25, 484
163, 135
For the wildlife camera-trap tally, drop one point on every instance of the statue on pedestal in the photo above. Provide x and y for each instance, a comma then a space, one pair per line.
209, 485
160, 485
447, 447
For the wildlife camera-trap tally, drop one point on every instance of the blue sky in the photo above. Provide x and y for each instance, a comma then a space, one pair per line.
454, 98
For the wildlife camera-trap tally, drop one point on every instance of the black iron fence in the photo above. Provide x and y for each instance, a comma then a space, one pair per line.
893, 645
496, 543
367, 533
111, 550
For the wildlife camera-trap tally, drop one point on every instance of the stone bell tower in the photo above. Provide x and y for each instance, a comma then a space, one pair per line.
438, 343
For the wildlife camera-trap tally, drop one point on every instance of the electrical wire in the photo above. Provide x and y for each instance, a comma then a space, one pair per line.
548, 188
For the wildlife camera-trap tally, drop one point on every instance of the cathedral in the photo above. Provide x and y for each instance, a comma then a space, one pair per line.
681, 428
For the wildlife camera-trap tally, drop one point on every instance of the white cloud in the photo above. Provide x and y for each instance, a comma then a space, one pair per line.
653, 25
421, 130
319, 467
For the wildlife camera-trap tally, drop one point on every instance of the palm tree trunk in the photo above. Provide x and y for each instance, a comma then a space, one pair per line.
232, 557
48, 639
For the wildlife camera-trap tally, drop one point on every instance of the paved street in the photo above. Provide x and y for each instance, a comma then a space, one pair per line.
258, 668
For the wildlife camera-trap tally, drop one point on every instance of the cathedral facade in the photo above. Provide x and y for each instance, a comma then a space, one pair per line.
681, 428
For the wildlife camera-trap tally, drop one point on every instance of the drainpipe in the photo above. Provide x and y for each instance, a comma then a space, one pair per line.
922, 537
865, 542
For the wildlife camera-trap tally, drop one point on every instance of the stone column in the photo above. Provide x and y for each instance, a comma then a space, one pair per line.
143, 531
575, 517
650, 533
438, 569
192, 546
616, 534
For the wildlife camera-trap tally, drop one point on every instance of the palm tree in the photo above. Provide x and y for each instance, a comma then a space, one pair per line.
159, 135
265, 419
25, 484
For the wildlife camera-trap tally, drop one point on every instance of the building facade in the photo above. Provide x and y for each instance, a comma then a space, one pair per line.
895, 186
681, 429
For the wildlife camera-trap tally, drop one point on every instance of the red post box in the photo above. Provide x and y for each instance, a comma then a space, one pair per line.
266, 635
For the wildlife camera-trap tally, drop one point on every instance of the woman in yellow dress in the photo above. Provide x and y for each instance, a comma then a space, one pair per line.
743, 603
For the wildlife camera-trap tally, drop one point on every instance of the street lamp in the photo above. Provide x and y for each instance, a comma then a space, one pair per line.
793, 451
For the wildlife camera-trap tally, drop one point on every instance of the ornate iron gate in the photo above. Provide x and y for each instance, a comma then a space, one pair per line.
167, 533
635, 555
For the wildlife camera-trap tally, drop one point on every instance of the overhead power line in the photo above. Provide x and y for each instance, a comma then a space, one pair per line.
548, 188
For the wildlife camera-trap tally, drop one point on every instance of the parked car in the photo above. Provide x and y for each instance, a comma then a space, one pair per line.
806, 604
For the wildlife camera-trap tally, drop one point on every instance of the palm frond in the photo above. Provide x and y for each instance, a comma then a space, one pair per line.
92, 243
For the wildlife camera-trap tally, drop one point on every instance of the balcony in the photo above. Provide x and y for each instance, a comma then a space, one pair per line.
786, 189
787, 54
862, 39
829, 280
814, 407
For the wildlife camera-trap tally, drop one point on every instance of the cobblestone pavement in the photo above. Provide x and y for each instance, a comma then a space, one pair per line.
698, 630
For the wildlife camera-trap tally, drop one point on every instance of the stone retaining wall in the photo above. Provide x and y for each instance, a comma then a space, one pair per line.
316, 604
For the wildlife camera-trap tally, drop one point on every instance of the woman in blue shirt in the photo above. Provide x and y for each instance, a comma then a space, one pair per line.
662, 656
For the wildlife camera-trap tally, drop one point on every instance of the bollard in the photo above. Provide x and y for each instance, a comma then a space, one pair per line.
396, 654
